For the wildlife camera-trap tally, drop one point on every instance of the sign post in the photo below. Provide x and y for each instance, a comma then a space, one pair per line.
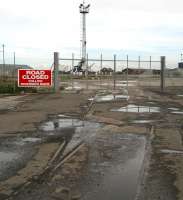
34, 78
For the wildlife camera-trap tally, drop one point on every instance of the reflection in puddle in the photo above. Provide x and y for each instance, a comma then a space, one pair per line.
7, 163
142, 121
62, 116
171, 151
122, 84
115, 176
7, 157
180, 95
31, 139
76, 86
151, 102
175, 109
73, 88
177, 112
26, 141
137, 109
109, 98
73, 131
61, 123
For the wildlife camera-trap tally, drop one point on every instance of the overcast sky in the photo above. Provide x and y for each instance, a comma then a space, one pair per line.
36, 28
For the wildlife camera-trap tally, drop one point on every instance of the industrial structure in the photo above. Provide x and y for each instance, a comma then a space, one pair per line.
84, 10
180, 64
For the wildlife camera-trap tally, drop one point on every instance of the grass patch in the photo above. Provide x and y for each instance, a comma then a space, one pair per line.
9, 87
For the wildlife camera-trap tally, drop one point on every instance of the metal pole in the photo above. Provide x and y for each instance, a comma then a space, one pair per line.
138, 69
163, 64
127, 72
150, 62
84, 41
72, 71
3, 61
101, 64
139, 63
14, 73
87, 71
56, 66
114, 73
150, 71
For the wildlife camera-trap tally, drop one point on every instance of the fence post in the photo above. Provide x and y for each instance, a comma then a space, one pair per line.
150, 62
100, 74
163, 61
114, 73
72, 71
56, 66
139, 63
14, 73
127, 63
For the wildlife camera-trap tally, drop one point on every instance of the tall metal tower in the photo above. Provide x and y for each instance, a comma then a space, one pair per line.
84, 9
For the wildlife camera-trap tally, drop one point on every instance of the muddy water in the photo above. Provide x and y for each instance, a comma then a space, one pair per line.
114, 163
114, 167
109, 98
142, 121
177, 112
73, 131
170, 151
137, 109
14, 154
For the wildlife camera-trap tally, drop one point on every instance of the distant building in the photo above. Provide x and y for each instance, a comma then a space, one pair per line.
10, 69
176, 72
135, 71
180, 65
106, 71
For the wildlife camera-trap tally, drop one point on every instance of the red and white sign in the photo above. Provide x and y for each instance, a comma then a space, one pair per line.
34, 78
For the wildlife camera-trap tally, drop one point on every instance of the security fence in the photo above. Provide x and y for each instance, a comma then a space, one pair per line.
101, 73
113, 73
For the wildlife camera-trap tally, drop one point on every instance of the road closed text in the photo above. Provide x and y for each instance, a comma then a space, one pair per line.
33, 78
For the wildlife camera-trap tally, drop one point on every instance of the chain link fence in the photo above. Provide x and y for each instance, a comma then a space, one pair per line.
113, 73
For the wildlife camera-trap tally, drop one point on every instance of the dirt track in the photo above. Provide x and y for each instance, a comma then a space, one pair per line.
161, 174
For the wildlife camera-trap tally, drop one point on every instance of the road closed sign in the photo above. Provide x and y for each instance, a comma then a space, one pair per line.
34, 78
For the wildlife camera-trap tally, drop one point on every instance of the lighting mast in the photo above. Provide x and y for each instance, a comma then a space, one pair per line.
84, 9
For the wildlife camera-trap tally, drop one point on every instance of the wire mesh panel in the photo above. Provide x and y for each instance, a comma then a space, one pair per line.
114, 73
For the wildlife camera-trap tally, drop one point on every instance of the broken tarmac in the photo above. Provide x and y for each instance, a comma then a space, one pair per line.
106, 154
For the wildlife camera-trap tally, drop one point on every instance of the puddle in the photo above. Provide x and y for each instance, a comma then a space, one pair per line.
171, 151
109, 98
180, 95
137, 109
17, 151
177, 112
151, 102
174, 109
119, 84
26, 141
73, 88
13, 158
62, 116
114, 175
31, 140
73, 131
142, 121
76, 86
7, 157
58, 124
